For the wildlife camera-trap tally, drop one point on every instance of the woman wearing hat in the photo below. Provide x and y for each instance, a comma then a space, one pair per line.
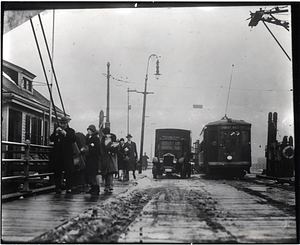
62, 157
92, 152
109, 164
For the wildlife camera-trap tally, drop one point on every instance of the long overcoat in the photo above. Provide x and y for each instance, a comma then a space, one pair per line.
109, 158
62, 155
132, 154
92, 154
122, 161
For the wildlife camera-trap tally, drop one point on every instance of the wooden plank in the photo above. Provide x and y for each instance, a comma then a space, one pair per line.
24, 223
25, 231
25, 219
257, 222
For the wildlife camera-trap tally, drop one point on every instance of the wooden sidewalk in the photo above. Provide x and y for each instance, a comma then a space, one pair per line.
27, 218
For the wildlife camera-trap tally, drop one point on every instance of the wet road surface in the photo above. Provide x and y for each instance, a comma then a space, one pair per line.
212, 211
174, 210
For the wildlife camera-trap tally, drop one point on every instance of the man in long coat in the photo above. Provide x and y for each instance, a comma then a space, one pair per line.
132, 154
122, 161
62, 156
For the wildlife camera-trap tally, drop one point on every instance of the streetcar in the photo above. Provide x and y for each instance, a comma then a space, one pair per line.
172, 152
225, 148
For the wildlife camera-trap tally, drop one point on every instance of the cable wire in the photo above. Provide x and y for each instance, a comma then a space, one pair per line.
229, 89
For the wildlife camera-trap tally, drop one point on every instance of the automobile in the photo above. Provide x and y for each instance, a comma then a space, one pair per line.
172, 152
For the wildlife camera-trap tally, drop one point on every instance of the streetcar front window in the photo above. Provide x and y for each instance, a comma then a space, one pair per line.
213, 137
229, 138
245, 137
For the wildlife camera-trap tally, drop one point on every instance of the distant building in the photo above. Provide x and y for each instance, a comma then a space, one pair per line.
25, 112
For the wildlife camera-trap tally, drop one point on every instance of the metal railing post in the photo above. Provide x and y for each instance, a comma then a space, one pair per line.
26, 166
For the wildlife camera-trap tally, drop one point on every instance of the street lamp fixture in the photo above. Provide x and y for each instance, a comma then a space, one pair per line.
157, 70
144, 105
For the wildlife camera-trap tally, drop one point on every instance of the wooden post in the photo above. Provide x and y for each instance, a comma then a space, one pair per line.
271, 143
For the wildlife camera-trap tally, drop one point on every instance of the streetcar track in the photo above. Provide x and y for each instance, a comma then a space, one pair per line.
279, 204
283, 205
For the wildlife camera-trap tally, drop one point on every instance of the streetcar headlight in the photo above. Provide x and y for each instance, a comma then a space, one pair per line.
229, 158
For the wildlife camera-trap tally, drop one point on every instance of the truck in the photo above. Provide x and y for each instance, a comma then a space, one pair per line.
172, 152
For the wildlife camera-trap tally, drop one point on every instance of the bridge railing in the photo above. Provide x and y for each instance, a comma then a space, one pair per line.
25, 163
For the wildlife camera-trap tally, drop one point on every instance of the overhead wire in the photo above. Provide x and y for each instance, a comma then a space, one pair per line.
55, 78
276, 40
229, 90
43, 66
202, 87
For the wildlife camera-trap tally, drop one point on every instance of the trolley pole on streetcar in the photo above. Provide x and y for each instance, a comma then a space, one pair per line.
144, 106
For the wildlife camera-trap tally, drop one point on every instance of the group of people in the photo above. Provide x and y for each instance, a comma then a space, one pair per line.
127, 158
104, 156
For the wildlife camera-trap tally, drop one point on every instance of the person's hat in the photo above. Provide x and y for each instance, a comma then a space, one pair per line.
65, 119
92, 128
129, 136
106, 131
122, 139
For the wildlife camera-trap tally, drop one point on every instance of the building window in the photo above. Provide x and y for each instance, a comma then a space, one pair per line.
27, 84
24, 83
36, 131
27, 128
39, 136
46, 133
14, 132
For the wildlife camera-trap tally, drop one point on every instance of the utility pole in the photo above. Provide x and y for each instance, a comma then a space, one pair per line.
107, 123
129, 107
268, 16
143, 123
51, 83
144, 105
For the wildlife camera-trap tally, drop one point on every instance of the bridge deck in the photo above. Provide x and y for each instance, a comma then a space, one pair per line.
27, 218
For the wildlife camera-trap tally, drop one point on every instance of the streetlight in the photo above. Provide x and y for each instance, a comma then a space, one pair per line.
129, 107
144, 105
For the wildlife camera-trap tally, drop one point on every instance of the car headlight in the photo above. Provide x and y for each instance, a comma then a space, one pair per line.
229, 158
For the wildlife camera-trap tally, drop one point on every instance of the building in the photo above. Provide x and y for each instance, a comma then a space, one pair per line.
25, 112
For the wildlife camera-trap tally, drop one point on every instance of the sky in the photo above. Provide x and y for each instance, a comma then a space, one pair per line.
202, 51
